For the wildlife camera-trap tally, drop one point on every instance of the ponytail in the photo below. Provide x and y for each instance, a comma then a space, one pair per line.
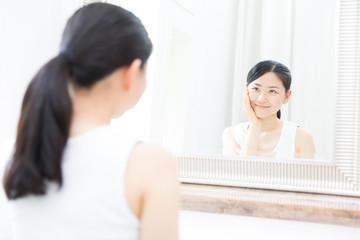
42, 131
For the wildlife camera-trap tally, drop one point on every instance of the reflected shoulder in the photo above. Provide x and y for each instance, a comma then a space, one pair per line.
228, 141
303, 133
304, 142
229, 131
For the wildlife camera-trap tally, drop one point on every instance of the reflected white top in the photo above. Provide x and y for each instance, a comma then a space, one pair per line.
285, 147
91, 204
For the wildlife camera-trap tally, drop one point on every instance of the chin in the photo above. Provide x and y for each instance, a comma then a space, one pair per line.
260, 115
263, 116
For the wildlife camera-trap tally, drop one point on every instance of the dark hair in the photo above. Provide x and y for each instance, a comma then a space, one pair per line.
277, 68
97, 40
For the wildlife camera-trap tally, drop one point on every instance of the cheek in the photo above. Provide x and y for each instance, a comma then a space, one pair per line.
277, 101
253, 96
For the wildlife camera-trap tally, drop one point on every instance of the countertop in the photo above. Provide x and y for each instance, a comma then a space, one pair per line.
309, 207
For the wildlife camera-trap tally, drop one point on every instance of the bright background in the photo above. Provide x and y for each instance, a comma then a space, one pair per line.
202, 51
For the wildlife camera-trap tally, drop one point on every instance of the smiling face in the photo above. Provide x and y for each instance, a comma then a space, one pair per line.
267, 95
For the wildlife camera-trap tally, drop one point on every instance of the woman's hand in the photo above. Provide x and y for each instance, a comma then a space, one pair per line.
249, 111
252, 134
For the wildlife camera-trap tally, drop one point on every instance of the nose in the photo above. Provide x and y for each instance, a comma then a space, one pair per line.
262, 97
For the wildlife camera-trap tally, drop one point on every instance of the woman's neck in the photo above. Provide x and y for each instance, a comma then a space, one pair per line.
83, 122
90, 110
96, 106
269, 124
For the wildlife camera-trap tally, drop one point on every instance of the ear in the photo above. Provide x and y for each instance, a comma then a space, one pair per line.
130, 74
287, 97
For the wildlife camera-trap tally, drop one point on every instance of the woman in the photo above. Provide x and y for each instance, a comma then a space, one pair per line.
70, 176
267, 89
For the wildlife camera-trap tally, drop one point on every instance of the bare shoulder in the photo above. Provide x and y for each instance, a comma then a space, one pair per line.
303, 134
152, 157
149, 149
156, 184
228, 132
151, 174
304, 142
228, 141
149, 164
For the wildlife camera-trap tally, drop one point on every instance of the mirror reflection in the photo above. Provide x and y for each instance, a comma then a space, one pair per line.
222, 50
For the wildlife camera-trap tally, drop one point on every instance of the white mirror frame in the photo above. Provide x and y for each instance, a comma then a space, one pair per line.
341, 176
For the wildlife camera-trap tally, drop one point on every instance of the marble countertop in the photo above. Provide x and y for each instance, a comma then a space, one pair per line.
310, 207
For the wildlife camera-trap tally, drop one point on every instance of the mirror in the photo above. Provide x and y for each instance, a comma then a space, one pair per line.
318, 41
213, 46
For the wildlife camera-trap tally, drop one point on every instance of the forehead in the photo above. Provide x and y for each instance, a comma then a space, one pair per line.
268, 80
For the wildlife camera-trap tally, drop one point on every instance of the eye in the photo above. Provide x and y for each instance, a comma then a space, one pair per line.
272, 92
255, 89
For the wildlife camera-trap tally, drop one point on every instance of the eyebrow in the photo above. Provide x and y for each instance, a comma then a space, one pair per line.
269, 86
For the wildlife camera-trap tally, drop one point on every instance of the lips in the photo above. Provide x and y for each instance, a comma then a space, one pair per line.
261, 106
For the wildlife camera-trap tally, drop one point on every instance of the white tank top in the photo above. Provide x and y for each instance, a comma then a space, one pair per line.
91, 204
285, 148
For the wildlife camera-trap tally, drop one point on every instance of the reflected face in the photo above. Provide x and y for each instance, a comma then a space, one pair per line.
267, 95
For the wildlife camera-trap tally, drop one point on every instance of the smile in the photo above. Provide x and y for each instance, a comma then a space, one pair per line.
262, 107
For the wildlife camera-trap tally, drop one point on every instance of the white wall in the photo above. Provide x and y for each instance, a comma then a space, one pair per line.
203, 96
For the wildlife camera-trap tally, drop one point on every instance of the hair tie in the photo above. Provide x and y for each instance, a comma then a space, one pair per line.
67, 58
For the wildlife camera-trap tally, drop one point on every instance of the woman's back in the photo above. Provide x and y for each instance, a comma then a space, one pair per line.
70, 177
91, 204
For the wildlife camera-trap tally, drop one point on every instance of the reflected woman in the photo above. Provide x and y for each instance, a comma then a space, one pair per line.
265, 134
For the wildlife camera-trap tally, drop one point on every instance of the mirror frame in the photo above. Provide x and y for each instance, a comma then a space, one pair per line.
341, 176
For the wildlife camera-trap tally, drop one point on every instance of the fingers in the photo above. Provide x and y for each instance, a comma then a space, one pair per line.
247, 105
249, 111
246, 102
